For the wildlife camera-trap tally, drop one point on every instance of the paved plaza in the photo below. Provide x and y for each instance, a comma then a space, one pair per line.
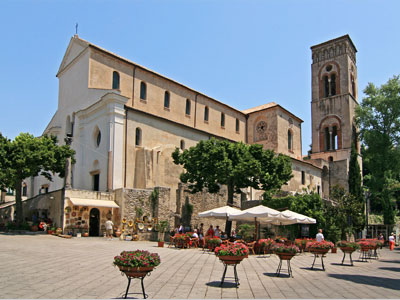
45, 266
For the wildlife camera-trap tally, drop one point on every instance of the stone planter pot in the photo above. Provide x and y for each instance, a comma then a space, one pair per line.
161, 244
135, 272
347, 249
319, 251
231, 259
285, 256
85, 234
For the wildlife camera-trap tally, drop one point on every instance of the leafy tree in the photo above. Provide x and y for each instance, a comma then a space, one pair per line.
213, 162
355, 175
378, 117
28, 156
349, 211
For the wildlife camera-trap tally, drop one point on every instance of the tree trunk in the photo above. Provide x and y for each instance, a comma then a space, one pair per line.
18, 202
228, 224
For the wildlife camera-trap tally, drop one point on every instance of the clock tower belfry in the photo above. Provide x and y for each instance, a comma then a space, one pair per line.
334, 98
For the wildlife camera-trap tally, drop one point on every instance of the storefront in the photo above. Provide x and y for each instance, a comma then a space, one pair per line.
89, 215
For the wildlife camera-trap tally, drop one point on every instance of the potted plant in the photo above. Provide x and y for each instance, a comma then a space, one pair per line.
348, 247
319, 247
266, 244
160, 243
136, 263
213, 242
285, 252
231, 254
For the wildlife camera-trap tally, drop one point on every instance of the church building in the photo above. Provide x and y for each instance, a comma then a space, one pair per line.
124, 121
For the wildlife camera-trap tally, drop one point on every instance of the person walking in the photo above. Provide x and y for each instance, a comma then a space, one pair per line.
319, 237
391, 241
109, 228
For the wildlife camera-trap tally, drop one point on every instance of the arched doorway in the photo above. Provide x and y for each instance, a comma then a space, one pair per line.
94, 222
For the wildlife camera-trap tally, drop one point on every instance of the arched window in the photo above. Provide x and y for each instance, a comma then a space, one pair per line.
166, 100
330, 158
115, 82
327, 139
97, 136
326, 86
290, 140
143, 91
206, 114
333, 85
182, 144
237, 125
138, 137
187, 110
353, 86
334, 142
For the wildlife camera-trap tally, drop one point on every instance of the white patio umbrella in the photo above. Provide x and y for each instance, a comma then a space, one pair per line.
300, 219
291, 217
220, 212
260, 213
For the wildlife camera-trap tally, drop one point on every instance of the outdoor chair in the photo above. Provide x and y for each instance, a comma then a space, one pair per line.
195, 242
171, 241
251, 246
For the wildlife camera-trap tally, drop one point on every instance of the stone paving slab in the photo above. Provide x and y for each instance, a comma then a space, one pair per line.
45, 266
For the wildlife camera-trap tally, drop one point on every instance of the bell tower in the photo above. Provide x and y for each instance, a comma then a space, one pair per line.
334, 99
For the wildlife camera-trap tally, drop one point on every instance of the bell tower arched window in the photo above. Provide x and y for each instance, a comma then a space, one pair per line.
326, 86
333, 85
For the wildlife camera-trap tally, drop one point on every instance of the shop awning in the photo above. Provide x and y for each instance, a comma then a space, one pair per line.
93, 202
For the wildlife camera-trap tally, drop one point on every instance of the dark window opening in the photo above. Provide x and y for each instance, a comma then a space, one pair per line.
327, 139
326, 86
330, 158
187, 110
237, 125
138, 137
303, 177
290, 140
333, 85
222, 120
115, 82
96, 182
206, 113
182, 144
24, 190
98, 138
166, 100
353, 86
334, 138
143, 91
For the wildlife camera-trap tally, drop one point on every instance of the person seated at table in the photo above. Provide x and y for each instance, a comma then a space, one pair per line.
210, 231
181, 230
217, 232
224, 235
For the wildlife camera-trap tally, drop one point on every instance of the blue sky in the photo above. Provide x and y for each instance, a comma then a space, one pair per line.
243, 53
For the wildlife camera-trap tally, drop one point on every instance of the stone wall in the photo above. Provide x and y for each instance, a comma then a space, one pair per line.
201, 202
